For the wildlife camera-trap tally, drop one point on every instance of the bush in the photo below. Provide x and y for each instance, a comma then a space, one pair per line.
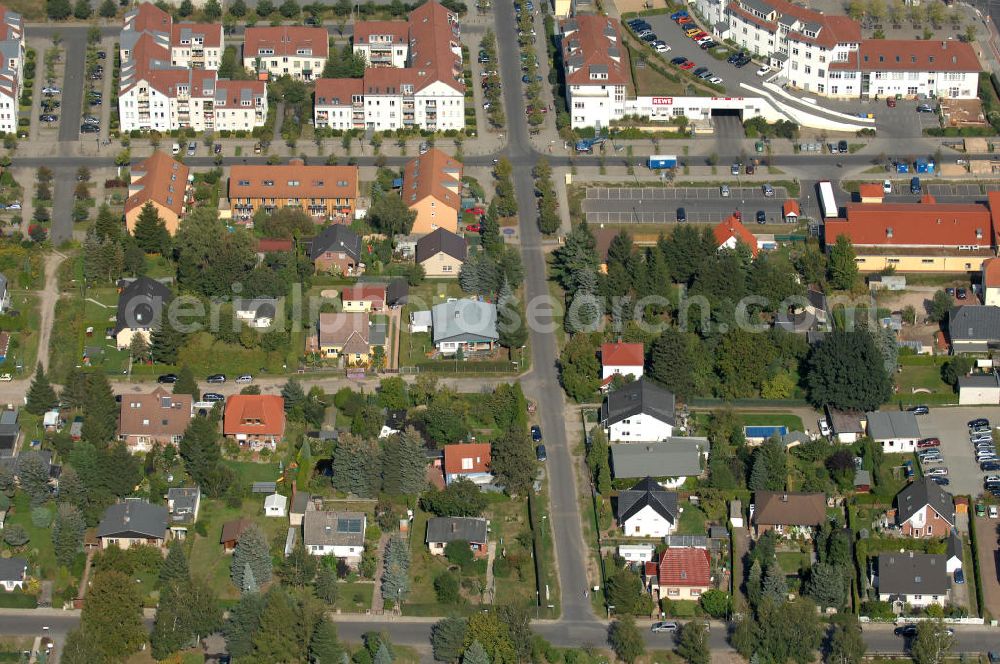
458, 553
41, 517
877, 610
446, 588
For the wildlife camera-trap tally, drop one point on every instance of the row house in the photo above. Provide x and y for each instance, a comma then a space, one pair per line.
286, 50
190, 45
11, 68
323, 192
163, 182
595, 70
413, 79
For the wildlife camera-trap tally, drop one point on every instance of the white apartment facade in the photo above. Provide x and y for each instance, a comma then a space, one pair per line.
595, 71
285, 50
11, 69
413, 78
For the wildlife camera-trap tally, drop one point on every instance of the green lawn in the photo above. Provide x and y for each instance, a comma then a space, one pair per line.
41, 557
23, 329
249, 471
923, 377
692, 521
891, 479
355, 596
792, 561
793, 422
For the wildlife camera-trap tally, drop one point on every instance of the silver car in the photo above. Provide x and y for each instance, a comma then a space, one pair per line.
936, 472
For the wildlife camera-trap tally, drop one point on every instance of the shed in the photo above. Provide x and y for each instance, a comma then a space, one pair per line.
979, 390
892, 282
862, 481
736, 513
420, 321
276, 505
290, 540
790, 210
263, 487
636, 553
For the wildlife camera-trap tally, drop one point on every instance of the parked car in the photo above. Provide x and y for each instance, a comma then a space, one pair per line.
51, 90
216, 378
89, 129
824, 427
213, 397
681, 215
979, 422
989, 465
928, 442
925, 108
761, 217
192, 148
217, 148
842, 147
994, 513
936, 472
915, 185
90, 119
699, 71
662, 626
902, 630
245, 378
536, 433
6, 378
887, 187
768, 190
687, 65
169, 378
919, 410
941, 481
678, 60
959, 576
734, 169
763, 70
540, 453
961, 293
724, 190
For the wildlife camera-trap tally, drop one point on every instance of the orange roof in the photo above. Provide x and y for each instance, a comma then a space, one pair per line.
476, 454
685, 566
592, 47
918, 224
397, 31
622, 355
435, 174
286, 40
871, 190
364, 292
262, 414
733, 227
293, 180
147, 17
162, 180
274, 244
338, 91
210, 33
991, 273
791, 208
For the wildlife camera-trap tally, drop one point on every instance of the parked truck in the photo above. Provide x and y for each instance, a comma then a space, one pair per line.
659, 161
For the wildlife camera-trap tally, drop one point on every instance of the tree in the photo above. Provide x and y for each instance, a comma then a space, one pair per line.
324, 646
940, 306
67, 534
238, 9
33, 476
692, 643
41, 397
265, 8
476, 654
278, 640
293, 394
299, 568
775, 587
74, 392
199, 447
625, 593
58, 10
165, 342
109, 9
212, 10
186, 383
598, 460
955, 368
404, 467
458, 553
460, 498
443, 423
391, 216
395, 574
932, 643
356, 466
579, 370
100, 410
150, 231
676, 360
446, 587
15, 535
186, 611
175, 565
511, 321
843, 269
82, 10
251, 553
846, 644
448, 638
493, 632
827, 585
185, 9
846, 371
326, 584
716, 603
112, 615
289, 9
626, 640
513, 462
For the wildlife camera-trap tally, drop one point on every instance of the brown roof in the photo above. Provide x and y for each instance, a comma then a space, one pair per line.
346, 330
397, 30
991, 273
911, 55
210, 33
777, 508
158, 414
274, 244
435, 174
367, 292
231, 530
293, 180
338, 91
162, 179
593, 45
286, 40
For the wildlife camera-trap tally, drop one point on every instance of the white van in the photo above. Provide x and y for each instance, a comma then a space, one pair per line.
176, 149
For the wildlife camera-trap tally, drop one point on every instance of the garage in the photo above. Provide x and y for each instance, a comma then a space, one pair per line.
979, 390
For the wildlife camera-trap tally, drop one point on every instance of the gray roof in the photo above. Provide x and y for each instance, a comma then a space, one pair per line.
441, 241
640, 396
184, 500
13, 569
687, 541
845, 421
140, 304
953, 548
133, 518
974, 323
263, 307
912, 573
9, 425
795, 438
300, 501
464, 320
979, 381
758, 5
886, 425
673, 457
397, 292
651, 493
718, 532
3, 283
922, 492
862, 478
449, 529
322, 528
263, 487
336, 237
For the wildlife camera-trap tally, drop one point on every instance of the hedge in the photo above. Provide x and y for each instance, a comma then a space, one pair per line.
976, 571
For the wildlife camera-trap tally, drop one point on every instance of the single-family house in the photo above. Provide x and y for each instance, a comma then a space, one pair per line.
13, 573
255, 420
442, 530
346, 335
183, 504
441, 253
681, 573
340, 534
301, 503
897, 431
787, 513
979, 389
924, 509
621, 359
467, 460
156, 418
671, 461
731, 232
140, 304
259, 313
954, 552
336, 249
639, 411
133, 522
847, 426
647, 510
469, 325
909, 577
367, 297
10, 431
974, 328
276, 505
432, 188
231, 532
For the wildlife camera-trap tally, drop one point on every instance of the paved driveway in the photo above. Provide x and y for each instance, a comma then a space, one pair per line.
987, 531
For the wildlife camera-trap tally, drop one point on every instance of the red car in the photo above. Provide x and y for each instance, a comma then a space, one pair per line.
699, 35
928, 442
475, 210
684, 20
687, 65
472, 228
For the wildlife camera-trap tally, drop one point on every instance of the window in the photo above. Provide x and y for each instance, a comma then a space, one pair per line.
673, 592
467, 464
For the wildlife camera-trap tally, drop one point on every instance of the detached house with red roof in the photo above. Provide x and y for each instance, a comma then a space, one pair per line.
621, 359
681, 573
255, 421
470, 461
731, 232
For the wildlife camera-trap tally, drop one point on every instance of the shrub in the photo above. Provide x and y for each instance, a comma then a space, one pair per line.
41, 517
446, 588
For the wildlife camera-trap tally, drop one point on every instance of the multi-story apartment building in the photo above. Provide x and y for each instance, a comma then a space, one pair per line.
169, 79
595, 69
413, 79
162, 182
11, 69
826, 54
286, 50
325, 192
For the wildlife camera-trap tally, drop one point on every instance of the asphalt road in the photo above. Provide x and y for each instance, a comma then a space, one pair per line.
74, 43
64, 182
543, 382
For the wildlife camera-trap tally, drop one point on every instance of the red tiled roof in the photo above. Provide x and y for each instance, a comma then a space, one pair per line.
910, 55
398, 30
622, 355
272, 244
149, 17
293, 180
596, 42
685, 566
733, 227
286, 40
338, 91
164, 180
791, 208
261, 414
211, 33
435, 174
991, 273
367, 292
871, 190
479, 453
833, 29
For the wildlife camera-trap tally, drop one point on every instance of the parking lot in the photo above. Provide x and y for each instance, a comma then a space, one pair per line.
649, 205
681, 45
951, 426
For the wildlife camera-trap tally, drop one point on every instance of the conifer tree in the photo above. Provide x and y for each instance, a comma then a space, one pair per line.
41, 397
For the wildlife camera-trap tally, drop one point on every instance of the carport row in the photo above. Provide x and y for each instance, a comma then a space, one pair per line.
679, 193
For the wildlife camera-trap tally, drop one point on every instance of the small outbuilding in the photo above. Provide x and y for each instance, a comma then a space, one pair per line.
276, 505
